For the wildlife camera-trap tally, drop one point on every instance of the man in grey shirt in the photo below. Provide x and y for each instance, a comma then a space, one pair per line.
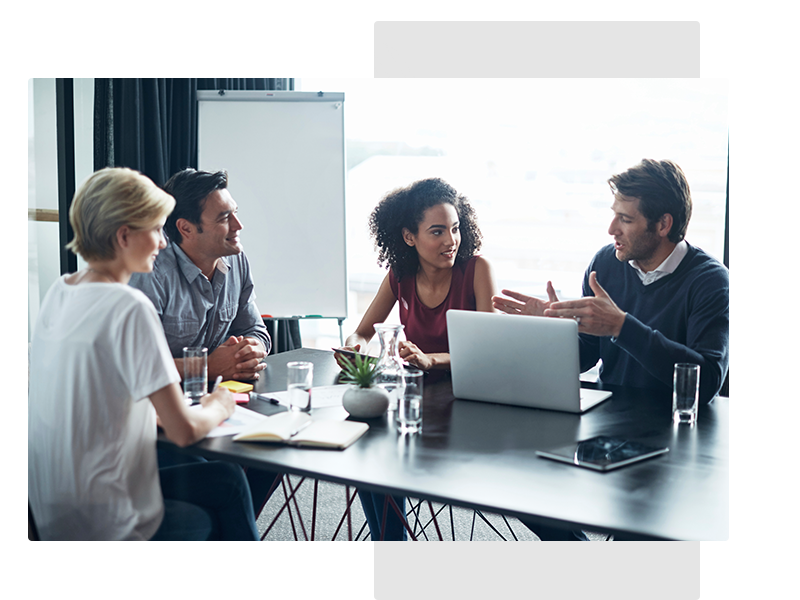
202, 289
201, 283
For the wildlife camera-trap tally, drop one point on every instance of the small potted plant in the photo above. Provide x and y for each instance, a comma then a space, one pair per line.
364, 400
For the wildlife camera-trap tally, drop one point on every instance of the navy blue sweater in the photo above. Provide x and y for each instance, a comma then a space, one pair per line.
682, 317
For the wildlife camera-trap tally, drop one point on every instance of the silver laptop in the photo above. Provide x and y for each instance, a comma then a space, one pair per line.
521, 360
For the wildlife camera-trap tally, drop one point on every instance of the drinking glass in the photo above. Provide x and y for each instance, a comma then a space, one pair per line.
685, 392
409, 407
300, 378
195, 373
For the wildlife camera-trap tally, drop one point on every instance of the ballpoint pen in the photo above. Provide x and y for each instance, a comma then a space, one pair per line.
264, 398
299, 429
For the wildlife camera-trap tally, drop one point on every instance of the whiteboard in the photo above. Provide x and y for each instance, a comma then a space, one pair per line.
285, 157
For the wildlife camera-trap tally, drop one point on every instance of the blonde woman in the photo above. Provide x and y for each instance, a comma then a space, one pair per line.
102, 375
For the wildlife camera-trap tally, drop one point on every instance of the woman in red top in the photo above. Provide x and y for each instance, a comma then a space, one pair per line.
427, 234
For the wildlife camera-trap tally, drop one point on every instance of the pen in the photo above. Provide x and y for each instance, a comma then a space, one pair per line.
263, 397
299, 429
216, 383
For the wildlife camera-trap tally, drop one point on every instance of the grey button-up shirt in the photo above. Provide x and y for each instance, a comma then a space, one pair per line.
197, 312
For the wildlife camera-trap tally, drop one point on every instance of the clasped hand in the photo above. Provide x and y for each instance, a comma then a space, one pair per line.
596, 315
237, 358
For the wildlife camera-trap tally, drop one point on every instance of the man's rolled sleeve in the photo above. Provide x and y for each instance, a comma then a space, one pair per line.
248, 321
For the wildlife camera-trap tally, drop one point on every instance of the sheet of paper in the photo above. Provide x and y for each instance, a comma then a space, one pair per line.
326, 404
326, 401
241, 418
321, 397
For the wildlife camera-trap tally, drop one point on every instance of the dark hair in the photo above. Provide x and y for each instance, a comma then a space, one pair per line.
661, 188
190, 188
404, 208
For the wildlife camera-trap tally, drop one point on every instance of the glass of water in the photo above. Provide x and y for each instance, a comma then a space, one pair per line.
409, 407
301, 375
685, 392
195, 373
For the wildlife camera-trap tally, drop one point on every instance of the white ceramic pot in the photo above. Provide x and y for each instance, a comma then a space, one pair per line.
365, 403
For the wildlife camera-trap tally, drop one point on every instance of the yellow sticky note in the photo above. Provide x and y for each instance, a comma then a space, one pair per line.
237, 387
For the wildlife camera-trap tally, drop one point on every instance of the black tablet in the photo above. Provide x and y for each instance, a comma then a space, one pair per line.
352, 355
602, 453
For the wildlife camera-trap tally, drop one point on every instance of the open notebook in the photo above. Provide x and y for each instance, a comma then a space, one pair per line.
299, 429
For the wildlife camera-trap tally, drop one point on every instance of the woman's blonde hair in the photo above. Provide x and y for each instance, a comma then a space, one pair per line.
109, 199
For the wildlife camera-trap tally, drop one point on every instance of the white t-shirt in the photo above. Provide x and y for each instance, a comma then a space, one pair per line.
98, 352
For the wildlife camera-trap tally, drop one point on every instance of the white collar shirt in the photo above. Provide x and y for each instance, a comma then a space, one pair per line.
665, 268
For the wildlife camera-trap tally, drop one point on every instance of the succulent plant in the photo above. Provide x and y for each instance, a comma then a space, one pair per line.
360, 371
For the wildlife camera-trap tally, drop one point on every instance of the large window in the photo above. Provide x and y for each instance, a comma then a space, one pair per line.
533, 156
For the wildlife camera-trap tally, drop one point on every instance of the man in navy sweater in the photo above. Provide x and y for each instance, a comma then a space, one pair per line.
650, 299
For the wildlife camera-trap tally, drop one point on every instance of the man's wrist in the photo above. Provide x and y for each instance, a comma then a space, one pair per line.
617, 333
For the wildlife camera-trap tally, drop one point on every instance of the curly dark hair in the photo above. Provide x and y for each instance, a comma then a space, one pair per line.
404, 208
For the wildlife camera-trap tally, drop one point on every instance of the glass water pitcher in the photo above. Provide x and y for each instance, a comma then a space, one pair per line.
390, 364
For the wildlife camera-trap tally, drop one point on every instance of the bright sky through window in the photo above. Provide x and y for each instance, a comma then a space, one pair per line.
533, 156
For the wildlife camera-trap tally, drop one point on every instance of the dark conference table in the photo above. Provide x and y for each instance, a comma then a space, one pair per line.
481, 455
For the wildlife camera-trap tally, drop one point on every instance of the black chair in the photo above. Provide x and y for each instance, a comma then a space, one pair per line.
285, 334
33, 533
724, 391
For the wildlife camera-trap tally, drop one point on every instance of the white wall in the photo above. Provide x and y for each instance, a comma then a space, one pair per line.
43, 242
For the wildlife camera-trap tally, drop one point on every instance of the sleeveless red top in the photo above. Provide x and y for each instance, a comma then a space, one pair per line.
427, 327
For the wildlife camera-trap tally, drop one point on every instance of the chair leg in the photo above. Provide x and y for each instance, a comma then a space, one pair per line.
509, 528
33, 533
346, 515
416, 508
435, 522
314, 510
390, 501
286, 506
297, 508
485, 520
472, 531
296, 520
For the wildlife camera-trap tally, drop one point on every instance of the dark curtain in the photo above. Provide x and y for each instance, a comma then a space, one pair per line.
146, 124
245, 84
151, 125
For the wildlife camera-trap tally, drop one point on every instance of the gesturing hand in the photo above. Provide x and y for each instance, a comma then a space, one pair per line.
524, 305
596, 315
